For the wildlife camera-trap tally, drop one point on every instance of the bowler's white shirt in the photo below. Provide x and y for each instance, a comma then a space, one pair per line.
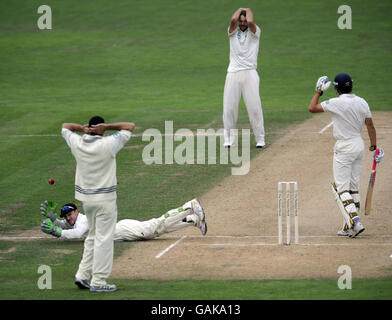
348, 115
244, 48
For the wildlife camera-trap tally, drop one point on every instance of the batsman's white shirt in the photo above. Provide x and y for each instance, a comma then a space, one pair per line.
348, 115
244, 49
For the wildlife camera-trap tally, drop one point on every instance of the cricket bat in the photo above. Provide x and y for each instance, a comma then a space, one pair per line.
368, 203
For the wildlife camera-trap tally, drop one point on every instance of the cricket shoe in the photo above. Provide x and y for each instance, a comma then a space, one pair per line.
228, 145
82, 284
260, 145
356, 229
104, 288
201, 221
344, 233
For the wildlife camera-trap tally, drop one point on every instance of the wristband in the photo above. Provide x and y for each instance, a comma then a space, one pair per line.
372, 148
320, 92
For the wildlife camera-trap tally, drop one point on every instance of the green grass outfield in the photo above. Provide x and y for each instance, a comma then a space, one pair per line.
147, 62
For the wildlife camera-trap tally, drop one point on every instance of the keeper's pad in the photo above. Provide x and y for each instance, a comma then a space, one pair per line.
346, 205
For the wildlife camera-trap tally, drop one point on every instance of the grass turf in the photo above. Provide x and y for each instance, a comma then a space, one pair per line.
147, 62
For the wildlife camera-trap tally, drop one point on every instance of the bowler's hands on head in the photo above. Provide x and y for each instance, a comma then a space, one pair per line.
98, 129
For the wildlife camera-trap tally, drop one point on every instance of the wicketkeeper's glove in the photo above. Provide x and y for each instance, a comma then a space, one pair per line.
322, 85
48, 227
48, 210
378, 157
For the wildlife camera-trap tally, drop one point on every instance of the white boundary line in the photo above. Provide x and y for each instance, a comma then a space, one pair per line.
300, 244
169, 247
326, 127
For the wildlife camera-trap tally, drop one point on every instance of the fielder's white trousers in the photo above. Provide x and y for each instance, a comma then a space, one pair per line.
97, 258
347, 164
129, 230
246, 84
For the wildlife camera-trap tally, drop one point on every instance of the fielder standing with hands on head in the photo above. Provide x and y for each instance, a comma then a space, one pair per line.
242, 78
349, 114
95, 187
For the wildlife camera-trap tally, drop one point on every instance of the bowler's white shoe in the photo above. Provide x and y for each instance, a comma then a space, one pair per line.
228, 144
260, 144
201, 221
356, 229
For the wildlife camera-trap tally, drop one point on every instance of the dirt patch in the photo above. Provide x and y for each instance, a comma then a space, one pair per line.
242, 219
25, 235
10, 250
63, 251
13, 209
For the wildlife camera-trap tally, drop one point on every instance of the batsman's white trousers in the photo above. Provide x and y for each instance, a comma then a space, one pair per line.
347, 164
245, 83
97, 258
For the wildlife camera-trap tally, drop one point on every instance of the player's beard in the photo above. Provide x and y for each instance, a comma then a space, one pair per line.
243, 30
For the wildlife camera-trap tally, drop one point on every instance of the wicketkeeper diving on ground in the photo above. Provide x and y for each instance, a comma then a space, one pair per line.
349, 114
75, 225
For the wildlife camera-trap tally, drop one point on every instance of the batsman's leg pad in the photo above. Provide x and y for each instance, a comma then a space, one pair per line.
356, 198
347, 207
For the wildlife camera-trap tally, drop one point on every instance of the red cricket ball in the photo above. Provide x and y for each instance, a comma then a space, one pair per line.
51, 181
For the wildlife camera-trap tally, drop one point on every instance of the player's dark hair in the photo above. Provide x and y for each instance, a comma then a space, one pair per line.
243, 13
95, 120
67, 208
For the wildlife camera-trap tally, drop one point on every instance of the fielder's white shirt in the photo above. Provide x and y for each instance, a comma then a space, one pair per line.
348, 115
244, 49
77, 231
126, 229
95, 177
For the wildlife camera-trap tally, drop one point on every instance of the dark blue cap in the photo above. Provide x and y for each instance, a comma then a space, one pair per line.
67, 208
343, 82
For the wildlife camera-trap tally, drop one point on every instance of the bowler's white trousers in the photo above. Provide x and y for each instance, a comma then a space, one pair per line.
245, 83
347, 164
97, 258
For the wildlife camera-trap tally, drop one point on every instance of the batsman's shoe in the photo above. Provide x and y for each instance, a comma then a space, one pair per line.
344, 233
356, 229
82, 284
198, 210
104, 288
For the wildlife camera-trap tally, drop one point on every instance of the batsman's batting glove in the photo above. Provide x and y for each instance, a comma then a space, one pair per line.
378, 157
48, 227
48, 210
322, 85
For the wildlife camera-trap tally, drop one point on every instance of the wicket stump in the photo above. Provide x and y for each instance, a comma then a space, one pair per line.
288, 222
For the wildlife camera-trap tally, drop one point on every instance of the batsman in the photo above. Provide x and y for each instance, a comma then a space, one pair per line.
349, 114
